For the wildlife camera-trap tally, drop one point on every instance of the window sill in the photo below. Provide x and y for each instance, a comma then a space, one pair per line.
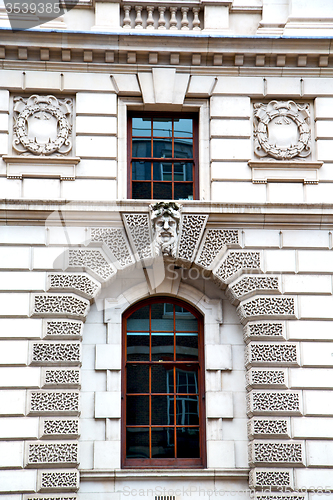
100, 475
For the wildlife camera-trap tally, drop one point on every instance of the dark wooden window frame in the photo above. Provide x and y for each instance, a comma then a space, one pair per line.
178, 463
138, 114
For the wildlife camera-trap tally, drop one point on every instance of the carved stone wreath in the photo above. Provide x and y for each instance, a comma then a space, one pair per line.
281, 130
51, 136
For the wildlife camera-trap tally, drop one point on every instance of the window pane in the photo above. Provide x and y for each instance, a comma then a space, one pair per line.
162, 191
162, 148
141, 191
137, 377
162, 346
183, 127
139, 320
141, 126
162, 443
186, 322
162, 171
187, 381
183, 191
188, 442
141, 171
137, 410
161, 378
159, 410
137, 443
187, 346
183, 171
141, 148
162, 127
183, 148
158, 322
187, 410
137, 346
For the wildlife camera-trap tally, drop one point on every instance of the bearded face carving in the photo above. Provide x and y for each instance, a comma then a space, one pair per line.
165, 219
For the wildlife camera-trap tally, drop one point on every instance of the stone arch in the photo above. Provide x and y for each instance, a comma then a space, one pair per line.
262, 307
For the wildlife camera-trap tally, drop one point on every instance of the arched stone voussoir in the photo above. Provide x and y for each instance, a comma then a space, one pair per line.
92, 260
235, 263
214, 244
247, 286
80, 283
63, 305
115, 244
267, 307
190, 233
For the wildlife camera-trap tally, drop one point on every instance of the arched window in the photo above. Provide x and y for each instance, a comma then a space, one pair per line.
163, 385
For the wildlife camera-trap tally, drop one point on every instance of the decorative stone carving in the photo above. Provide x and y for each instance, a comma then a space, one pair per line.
248, 285
44, 454
165, 218
62, 378
70, 282
192, 228
264, 330
42, 125
56, 352
214, 241
58, 480
258, 353
264, 378
268, 427
275, 453
236, 262
267, 306
63, 328
93, 260
282, 130
138, 229
278, 402
115, 240
60, 305
54, 403
260, 478
60, 427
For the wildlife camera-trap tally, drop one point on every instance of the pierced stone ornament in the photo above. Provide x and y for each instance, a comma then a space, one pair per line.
42, 125
282, 130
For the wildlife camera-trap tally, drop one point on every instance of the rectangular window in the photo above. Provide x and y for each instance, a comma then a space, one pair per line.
163, 150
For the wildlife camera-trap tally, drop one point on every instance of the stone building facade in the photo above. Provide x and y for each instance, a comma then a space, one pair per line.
242, 251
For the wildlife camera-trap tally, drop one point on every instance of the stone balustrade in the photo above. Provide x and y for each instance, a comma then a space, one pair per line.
161, 17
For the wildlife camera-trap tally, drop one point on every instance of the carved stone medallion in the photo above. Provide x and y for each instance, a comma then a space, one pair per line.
42, 125
165, 218
282, 130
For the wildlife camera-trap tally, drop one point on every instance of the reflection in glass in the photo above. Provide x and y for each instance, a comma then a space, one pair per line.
187, 381
187, 347
137, 378
159, 410
141, 126
137, 443
162, 127
137, 410
141, 170
137, 346
159, 378
183, 127
141, 148
163, 442
162, 171
188, 442
187, 410
162, 148
162, 346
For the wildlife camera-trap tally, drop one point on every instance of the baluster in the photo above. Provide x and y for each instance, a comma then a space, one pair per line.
173, 19
161, 21
138, 19
184, 22
150, 19
196, 20
127, 20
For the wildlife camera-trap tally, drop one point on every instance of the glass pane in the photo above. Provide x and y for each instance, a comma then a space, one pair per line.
160, 410
137, 378
137, 346
141, 148
187, 380
141, 171
183, 171
186, 321
161, 378
162, 127
183, 127
162, 148
187, 410
141, 126
162, 171
162, 191
137, 410
158, 322
162, 346
183, 191
163, 442
137, 443
139, 320
141, 191
188, 442
183, 148
187, 347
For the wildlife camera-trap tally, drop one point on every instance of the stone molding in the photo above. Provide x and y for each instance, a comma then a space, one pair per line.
50, 453
61, 427
277, 453
268, 427
271, 478
271, 354
274, 403
79, 283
